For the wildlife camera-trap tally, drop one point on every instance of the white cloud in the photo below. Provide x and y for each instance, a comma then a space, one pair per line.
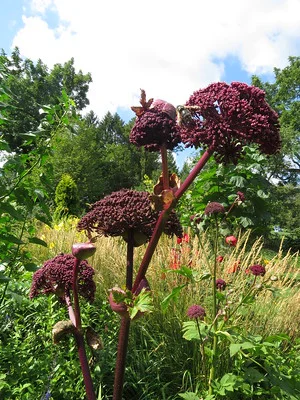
167, 47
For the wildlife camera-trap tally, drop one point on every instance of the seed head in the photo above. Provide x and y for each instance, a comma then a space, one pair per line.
214, 208
196, 311
56, 276
228, 117
125, 211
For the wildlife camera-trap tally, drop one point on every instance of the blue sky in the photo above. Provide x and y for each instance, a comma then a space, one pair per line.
168, 49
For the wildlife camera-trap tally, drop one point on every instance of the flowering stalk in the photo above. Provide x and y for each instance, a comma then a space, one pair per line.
125, 326
164, 217
79, 337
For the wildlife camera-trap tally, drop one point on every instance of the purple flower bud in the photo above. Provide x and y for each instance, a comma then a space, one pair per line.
220, 284
156, 127
241, 196
82, 251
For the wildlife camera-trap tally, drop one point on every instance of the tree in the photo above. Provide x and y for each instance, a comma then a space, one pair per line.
66, 198
32, 85
284, 96
100, 157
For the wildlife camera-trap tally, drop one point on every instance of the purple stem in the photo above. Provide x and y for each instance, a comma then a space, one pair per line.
164, 217
79, 337
125, 325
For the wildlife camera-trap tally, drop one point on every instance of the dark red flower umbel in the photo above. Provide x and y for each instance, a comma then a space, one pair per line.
258, 270
227, 117
56, 276
214, 208
155, 125
126, 210
196, 311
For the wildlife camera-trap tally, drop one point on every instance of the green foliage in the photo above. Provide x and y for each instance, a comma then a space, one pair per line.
66, 198
31, 86
283, 96
219, 183
100, 158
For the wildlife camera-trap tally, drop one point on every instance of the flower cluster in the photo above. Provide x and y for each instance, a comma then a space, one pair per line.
258, 270
126, 210
196, 311
214, 208
227, 117
56, 276
155, 127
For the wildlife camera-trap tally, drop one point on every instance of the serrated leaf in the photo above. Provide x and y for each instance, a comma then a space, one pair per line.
190, 330
238, 181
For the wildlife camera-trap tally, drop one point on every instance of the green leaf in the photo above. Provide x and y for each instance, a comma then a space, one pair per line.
260, 193
238, 181
4, 279
9, 209
31, 267
11, 238
142, 303
236, 347
172, 296
38, 241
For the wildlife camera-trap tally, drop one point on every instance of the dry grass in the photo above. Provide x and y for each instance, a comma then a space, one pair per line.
276, 306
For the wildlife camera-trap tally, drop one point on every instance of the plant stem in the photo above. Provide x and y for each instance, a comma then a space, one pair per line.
124, 327
202, 351
121, 358
79, 337
164, 217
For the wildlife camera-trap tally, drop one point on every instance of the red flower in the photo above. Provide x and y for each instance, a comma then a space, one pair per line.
219, 258
258, 270
231, 240
234, 268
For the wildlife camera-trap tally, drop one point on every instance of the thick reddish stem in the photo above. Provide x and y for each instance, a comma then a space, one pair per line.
79, 337
121, 358
164, 217
75, 295
88, 383
125, 325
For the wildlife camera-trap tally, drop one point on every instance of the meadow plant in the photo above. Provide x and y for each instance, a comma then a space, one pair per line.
220, 119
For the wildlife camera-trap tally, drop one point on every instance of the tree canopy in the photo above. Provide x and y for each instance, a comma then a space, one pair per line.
284, 96
32, 85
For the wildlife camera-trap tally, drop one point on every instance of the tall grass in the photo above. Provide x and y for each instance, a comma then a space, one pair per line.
160, 362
